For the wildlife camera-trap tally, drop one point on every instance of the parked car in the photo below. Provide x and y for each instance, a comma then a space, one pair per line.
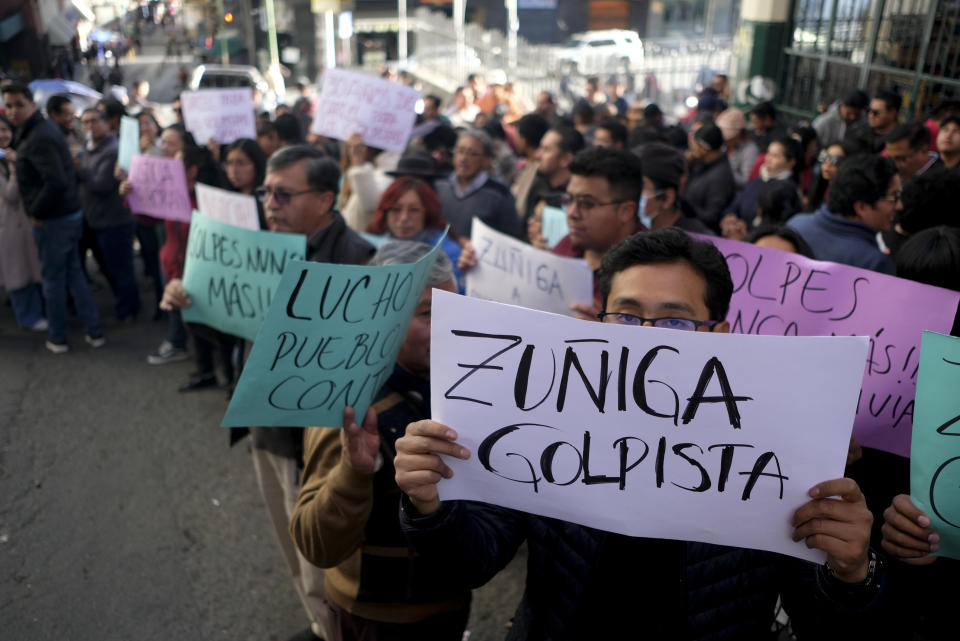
265, 97
602, 52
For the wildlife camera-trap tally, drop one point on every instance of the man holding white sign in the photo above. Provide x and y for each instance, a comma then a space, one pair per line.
589, 583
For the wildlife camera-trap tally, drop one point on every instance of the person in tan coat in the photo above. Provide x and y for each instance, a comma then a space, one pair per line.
347, 515
19, 261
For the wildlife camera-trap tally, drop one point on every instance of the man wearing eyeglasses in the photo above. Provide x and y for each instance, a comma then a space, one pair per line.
601, 203
864, 197
298, 197
583, 583
470, 191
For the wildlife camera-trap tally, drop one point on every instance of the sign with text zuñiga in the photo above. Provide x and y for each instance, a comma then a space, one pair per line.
647, 432
221, 114
159, 188
379, 110
935, 454
228, 207
785, 294
231, 274
508, 271
330, 339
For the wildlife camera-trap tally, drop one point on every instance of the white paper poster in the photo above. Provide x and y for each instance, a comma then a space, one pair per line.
228, 207
509, 271
222, 114
379, 110
647, 432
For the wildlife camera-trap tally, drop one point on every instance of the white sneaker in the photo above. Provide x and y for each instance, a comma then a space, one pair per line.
167, 353
40, 326
58, 348
99, 341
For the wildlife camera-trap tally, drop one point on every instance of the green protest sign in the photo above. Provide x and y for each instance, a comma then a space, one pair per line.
935, 449
330, 339
231, 273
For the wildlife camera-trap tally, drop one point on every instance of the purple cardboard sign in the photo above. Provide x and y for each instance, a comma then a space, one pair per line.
159, 188
780, 293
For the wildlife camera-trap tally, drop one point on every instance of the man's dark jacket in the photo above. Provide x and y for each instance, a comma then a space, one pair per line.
338, 244
99, 195
710, 190
48, 185
584, 583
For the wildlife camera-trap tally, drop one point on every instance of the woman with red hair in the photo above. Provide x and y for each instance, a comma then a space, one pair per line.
410, 209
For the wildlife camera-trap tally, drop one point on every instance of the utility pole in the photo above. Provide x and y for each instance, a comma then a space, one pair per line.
402, 33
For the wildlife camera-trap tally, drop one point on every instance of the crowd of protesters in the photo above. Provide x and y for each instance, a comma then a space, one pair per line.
373, 552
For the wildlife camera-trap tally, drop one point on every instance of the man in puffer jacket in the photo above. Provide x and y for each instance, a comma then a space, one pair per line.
583, 583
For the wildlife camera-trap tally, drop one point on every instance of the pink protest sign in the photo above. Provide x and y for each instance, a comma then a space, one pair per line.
159, 188
379, 110
779, 293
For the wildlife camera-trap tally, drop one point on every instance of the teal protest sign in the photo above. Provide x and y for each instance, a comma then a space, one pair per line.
231, 273
935, 449
554, 225
329, 340
129, 143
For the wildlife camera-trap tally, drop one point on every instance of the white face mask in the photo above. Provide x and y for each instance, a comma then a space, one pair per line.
642, 212
89, 140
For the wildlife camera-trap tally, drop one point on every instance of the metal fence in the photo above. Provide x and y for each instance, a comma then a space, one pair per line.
672, 69
912, 45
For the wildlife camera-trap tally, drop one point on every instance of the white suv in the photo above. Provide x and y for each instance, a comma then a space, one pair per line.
601, 52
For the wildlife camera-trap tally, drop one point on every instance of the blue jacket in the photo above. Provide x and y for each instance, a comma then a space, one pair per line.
584, 583
841, 240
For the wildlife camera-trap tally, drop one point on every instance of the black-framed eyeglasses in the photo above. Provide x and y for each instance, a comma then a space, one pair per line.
280, 196
585, 203
874, 112
683, 324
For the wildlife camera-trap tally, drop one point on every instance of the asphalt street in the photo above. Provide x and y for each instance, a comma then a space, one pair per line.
124, 512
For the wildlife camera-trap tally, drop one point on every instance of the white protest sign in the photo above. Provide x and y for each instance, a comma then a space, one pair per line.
379, 110
650, 432
228, 207
222, 114
509, 271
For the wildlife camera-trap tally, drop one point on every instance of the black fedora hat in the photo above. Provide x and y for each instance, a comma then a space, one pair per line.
418, 165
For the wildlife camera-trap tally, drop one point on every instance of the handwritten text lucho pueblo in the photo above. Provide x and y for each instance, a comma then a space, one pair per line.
641, 431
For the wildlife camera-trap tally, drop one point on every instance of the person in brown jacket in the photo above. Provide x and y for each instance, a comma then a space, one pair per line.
347, 515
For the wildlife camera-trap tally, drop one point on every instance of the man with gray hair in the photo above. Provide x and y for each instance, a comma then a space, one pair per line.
347, 518
470, 191
298, 197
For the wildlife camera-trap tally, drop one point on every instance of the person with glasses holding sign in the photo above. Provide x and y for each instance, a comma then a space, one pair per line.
584, 583
470, 191
298, 196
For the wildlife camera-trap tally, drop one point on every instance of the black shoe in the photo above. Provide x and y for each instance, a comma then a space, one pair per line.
200, 381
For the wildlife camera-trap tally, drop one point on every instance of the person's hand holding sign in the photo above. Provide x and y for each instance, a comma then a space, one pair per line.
907, 534
419, 469
360, 446
174, 296
838, 526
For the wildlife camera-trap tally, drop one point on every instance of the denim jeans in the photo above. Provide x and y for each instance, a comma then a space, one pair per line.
58, 241
150, 253
116, 246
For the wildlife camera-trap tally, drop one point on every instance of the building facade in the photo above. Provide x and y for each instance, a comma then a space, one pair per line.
833, 45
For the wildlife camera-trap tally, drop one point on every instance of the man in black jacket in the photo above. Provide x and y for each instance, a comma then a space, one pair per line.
47, 182
583, 583
103, 210
298, 196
